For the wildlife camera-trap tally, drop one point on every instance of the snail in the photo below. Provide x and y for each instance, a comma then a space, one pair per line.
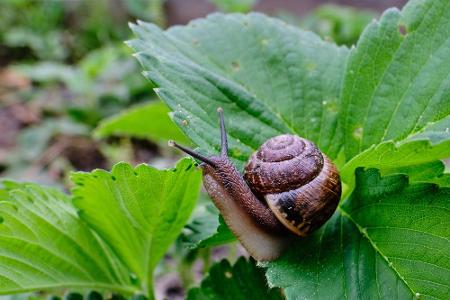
289, 188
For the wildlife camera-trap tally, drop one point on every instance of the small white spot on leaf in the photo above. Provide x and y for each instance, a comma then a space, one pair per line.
357, 133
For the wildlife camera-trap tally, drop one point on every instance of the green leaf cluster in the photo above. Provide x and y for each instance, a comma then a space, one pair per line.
44, 244
108, 235
379, 108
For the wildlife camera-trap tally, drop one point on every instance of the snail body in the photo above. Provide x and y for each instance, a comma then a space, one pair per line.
289, 188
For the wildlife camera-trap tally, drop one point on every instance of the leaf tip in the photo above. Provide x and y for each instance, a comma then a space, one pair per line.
140, 22
133, 26
120, 167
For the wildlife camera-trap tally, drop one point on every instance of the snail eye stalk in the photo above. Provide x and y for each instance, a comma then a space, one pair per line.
192, 153
223, 134
223, 143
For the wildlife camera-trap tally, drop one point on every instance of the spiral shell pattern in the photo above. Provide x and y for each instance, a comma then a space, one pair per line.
301, 185
282, 163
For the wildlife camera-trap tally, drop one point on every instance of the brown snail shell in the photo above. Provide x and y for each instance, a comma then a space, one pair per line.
300, 184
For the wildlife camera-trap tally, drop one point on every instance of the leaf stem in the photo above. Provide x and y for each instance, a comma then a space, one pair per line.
206, 257
185, 268
232, 252
150, 289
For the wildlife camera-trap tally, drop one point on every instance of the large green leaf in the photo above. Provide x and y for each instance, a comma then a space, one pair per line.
149, 121
140, 211
269, 77
242, 281
397, 77
390, 240
44, 245
409, 225
336, 262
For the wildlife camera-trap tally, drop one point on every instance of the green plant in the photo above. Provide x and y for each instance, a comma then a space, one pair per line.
68, 30
108, 235
68, 101
380, 111
381, 107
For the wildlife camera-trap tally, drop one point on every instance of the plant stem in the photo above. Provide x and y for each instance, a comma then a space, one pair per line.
232, 252
185, 272
150, 288
206, 257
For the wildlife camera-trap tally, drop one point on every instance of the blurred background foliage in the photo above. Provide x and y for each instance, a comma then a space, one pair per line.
340, 24
64, 68
72, 97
